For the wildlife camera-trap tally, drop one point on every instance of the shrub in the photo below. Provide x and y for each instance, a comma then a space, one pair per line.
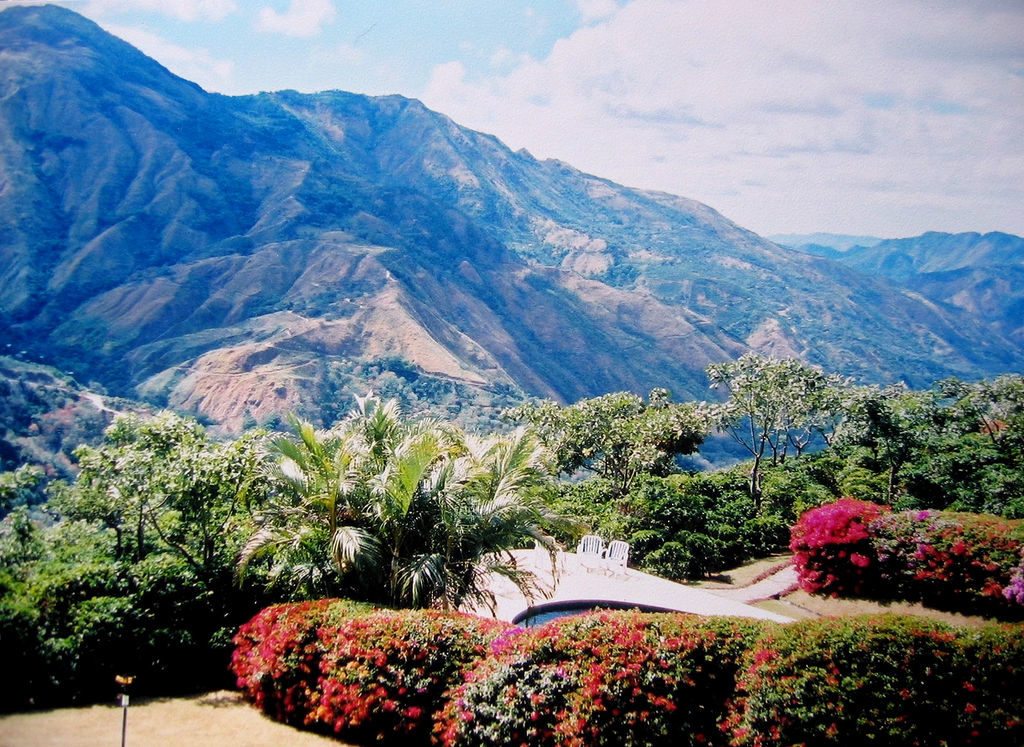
1015, 589
956, 561
277, 656
384, 675
833, 552
604, 678
892, 680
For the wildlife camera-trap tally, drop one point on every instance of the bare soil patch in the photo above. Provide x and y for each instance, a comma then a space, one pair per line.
216, 719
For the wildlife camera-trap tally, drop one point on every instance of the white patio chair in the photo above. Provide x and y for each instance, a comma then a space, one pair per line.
590, 551
617, 555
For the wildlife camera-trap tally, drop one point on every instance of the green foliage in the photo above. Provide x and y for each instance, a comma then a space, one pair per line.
618, 437
19, 487
958, 446
688, 526
409, 513
881, 680
137, 577
774, 407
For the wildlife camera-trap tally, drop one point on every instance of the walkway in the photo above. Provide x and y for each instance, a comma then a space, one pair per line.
573, 581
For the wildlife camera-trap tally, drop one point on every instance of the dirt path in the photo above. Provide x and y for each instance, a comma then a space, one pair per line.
219, 719
767, 588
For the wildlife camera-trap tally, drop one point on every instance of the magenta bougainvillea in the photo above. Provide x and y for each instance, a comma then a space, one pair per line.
832, 548
956, 561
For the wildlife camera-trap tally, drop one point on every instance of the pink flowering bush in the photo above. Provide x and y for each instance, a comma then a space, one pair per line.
277, 653
384, 674
607, 678
832, 548
893, 680
1014, 591
956, 561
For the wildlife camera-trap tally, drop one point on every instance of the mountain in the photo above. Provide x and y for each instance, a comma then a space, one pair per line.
45, 414
823, 244
980, 273
241, 257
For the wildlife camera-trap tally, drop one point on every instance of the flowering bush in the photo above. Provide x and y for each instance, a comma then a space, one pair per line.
951, 560
890, 680
277, 655
384, 675
607, 678
833, 552
1015, 589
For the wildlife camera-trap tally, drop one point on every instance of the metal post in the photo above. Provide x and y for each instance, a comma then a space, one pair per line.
125, 681
124, 718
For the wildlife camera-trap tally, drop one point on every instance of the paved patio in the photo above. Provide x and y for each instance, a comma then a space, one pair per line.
573, 580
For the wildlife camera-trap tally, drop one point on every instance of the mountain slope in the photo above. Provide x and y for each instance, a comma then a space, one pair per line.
982, 274
241, 256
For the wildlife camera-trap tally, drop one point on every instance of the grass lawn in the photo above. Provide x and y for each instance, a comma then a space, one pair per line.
219, 719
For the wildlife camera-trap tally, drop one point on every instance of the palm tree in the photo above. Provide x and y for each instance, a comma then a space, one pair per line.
409, 513
487, 502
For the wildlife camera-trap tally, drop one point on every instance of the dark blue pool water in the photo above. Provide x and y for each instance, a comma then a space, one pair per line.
542, 613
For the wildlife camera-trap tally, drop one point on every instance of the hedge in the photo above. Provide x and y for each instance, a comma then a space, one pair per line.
967, 563
612, 678
607, 678
892, 680
832, 547
385, 675
277, 656
339, 666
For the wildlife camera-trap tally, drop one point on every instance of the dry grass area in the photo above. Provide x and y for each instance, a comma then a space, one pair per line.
215, 719
802, 605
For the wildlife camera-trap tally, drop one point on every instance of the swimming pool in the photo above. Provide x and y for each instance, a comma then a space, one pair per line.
542, 613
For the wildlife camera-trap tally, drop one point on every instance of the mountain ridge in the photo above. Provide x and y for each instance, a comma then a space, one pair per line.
233, 256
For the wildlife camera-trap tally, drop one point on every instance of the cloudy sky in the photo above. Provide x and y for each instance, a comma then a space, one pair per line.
881, 118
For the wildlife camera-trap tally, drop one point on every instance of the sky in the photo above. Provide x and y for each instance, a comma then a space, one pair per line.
856, 117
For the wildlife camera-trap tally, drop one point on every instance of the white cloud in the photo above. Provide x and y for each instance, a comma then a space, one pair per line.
196, 65
183, 10
302, 18
596, 10
786, 116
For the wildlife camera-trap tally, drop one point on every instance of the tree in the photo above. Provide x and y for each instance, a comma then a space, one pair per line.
19, 487
161, 485
893, 423
408, 513
773, 406
617, 436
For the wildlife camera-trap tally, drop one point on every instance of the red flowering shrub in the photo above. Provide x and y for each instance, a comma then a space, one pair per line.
956, 561
277, 655
892, 680
608, 678
833, 552
384, 675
